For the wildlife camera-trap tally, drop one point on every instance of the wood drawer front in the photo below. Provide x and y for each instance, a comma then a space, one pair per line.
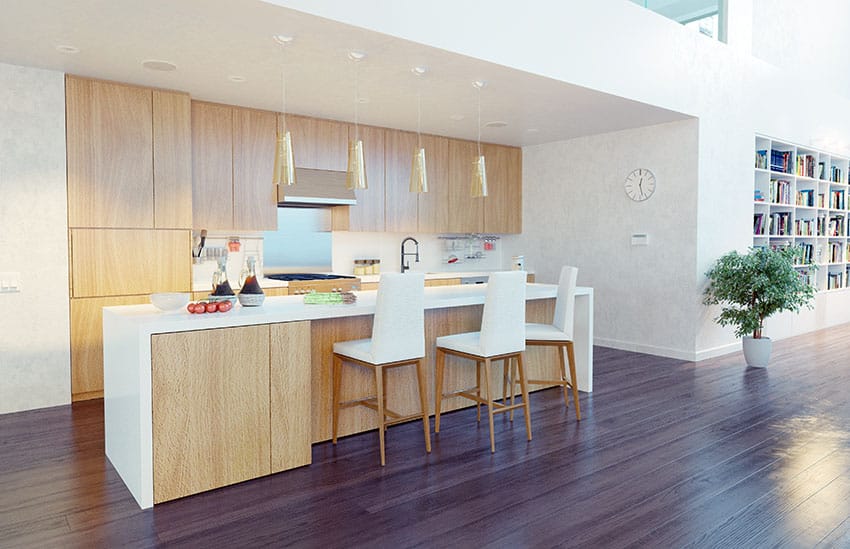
274, 292
108, 262
211, 422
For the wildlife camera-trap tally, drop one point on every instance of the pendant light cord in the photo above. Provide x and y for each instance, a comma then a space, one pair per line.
283, 91
356, 100
479, 120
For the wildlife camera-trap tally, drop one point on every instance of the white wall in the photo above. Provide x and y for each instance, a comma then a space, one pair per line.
578, 214
34, 324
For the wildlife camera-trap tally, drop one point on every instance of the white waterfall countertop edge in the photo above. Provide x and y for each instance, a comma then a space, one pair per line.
127, 384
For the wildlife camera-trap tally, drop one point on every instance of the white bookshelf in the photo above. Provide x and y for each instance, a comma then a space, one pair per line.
804, 202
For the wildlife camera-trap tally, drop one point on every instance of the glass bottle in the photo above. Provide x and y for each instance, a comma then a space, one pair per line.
221, 286
250, 285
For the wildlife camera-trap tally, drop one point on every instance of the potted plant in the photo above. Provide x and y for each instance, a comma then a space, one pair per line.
751, 287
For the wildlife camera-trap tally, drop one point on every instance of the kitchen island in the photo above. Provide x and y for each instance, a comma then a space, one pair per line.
195, 402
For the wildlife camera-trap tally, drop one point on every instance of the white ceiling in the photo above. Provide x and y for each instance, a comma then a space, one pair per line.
211, 40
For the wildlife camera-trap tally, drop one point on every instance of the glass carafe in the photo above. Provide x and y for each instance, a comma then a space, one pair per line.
220, 284
250, 284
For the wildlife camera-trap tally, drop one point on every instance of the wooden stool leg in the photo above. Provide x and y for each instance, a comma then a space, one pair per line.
478, 389
438, 388
337, 378
423, 397
487, 374
382, 418
572, 360
510, 365
561, 351
524, 388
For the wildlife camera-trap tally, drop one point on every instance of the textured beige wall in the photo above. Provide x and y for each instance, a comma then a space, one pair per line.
34, 324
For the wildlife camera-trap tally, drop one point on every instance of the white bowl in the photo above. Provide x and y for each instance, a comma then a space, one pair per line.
170, 301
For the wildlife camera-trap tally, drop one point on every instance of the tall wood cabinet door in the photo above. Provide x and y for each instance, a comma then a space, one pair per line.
87, 342
110, 158
254, 195
291, 432
466, 214
210, 393
368, 213
318, 144
108, 262
212, 166
172, 160
402, 215
503, 206
434, 205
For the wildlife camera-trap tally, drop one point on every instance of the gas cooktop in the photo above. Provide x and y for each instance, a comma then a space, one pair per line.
305, 276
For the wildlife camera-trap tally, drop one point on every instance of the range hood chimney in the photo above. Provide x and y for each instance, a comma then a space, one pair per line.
317, 188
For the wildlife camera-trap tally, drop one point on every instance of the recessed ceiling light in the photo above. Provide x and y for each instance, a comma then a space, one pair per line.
457, 117
362, 100
66, 48
158, 65
356, 55
479, 84
282, 39
236, 78
419, 71
496, 124
532, 130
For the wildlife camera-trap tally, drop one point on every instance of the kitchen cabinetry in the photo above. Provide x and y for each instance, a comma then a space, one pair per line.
503, 205
128, 157
465, 213
87, 342
318, 144
110, 262
228, 405
273, 292
402, 205
434, 205
232, 159
210, 397
368, 213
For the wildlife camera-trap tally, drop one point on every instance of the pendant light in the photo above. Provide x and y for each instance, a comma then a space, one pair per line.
284, 162
479, 170
418, 172
355, 177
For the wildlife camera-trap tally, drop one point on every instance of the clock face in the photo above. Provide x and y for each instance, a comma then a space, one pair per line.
640, 184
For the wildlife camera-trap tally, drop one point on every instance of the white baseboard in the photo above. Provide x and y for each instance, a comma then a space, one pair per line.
667, 352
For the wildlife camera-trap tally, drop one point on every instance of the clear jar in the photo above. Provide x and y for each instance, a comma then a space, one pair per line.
376, 266
360, 266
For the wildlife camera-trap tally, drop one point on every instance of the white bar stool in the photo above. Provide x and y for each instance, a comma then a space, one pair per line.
398, 339
502, 337
559, 334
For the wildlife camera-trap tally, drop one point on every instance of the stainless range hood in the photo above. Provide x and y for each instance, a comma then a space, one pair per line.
317, 188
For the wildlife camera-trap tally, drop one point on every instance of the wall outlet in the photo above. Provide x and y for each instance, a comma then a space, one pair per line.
640, 239
10, 282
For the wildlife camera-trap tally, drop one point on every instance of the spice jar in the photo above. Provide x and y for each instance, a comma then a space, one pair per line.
360, 266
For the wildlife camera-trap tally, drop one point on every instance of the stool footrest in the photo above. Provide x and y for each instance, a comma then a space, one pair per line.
550, 382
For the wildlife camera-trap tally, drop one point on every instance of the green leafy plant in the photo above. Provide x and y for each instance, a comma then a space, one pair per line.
751, 287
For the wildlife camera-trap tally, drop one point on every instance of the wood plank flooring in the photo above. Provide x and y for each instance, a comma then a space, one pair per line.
668, 454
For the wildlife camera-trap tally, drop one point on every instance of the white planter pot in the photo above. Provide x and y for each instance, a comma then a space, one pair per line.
757, 351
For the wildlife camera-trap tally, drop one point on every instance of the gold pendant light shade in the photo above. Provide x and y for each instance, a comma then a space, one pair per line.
418, 173
356, 175
284, 163
479, 178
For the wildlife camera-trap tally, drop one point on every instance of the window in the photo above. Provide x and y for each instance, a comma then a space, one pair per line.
707, 17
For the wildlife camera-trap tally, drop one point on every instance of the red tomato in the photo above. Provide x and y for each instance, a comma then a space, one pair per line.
212, 307
200, 308
224, 306
190, 307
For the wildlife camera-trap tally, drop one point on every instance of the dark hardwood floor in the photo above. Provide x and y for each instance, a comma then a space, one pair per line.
669, 454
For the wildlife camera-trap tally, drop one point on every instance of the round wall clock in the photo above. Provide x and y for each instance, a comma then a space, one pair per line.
640, 184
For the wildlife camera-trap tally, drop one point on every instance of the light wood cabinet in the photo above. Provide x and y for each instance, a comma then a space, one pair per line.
434, 205
465, 214
109, 154
109, 262
273, 292
503, 206
368, 213
212, 166
233, 158
402, 206
318, 144
291, 432
211, 422
172, 153
254, 195
87, 342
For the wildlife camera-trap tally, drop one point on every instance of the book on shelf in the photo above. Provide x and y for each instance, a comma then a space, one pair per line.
758, 224
806, 197
835, 174
780, 191
780, 224
821, 171
806, 165
757, 196
835, 226
780, 161
821, 225
808, 254
836, 200
761, 159
821, 200
835, 252
834, 281
805, 227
